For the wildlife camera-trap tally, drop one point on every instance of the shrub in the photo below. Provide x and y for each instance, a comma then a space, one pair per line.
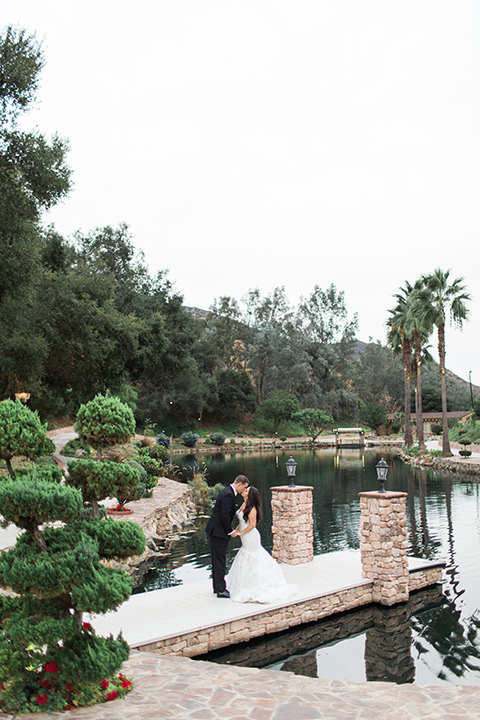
217, 438
410, 451
75, 448
189, 439
157, 452
163, 439
283, 438
21, 433
437, 428
465, 453
103, 422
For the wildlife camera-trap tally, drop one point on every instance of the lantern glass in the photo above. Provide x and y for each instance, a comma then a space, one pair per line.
291, 466
382, 470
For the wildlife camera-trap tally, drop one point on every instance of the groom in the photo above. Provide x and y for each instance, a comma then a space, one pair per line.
219, 529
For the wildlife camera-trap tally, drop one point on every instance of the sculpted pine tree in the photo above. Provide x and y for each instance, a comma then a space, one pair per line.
103, 423
21, 433
50, 657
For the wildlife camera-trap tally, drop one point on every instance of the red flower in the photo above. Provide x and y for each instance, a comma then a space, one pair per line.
51, 667
68, 707
126, 683
104, 684
44, 683
87, 626
112, 695
68, 687
41, 699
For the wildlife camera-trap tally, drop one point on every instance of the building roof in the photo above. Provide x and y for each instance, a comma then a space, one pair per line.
429, 416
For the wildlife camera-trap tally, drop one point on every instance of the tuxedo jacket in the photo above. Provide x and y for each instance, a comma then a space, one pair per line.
220, 523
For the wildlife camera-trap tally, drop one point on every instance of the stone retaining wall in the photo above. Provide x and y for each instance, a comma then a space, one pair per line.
419, 579
271, 621
169, 512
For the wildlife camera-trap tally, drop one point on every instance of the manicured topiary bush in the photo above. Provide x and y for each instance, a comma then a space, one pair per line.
50, 659
101, 424
189, 439
104, 422
21, 433
217, 438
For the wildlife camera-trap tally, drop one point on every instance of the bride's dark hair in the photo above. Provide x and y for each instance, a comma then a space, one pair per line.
253, 501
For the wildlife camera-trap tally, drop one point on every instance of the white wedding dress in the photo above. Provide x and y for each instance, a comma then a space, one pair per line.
255, 576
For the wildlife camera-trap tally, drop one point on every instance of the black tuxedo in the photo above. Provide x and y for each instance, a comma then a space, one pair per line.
218, 528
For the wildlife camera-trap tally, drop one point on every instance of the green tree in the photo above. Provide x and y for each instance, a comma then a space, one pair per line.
400, 339
278, 407
325, 317
99, 480
236, 394
223, 332
312, 420
103, 423
33, 177
21, 433
377, 376
409, 331
438, 297
56, 575
374, 416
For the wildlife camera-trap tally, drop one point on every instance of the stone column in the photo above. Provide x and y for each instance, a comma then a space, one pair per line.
292, 524
383, 545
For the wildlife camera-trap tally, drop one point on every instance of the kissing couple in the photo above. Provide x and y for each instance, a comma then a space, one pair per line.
254, 575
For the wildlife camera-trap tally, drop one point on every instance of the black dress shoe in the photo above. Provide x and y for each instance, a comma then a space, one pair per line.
224, 594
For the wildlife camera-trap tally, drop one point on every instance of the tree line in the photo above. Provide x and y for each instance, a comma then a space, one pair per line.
83, 315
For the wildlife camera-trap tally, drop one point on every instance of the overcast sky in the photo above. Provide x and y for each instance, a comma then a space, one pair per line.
258, 144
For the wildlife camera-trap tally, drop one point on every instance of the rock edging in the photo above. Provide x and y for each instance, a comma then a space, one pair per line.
169, 511
457, 465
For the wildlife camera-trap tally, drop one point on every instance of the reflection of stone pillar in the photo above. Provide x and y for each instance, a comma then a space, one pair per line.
292, 524
388, 644
383, 545
305, 665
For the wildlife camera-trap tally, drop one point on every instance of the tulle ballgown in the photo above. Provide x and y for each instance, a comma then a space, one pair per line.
255, 576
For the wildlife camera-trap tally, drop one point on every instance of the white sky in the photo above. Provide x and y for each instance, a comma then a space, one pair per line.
287, 142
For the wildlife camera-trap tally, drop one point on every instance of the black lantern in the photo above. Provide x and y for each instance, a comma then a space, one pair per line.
291, 466
382, 470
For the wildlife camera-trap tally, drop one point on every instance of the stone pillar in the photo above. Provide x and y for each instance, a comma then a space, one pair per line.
383, 545
292, 524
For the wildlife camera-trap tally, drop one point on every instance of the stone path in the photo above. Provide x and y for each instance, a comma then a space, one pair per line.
173, 688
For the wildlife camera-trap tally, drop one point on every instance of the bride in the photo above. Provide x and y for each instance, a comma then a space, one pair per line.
255, 576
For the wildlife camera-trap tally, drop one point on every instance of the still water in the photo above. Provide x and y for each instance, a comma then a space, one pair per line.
433, 639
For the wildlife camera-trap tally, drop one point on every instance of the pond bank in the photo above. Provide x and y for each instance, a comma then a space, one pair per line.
455, 464
163, 517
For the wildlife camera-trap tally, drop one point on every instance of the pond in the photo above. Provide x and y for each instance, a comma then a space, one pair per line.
433, 639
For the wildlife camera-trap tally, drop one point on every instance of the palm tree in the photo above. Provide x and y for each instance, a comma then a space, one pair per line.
422, 330
432, 302
409, 332
400, 339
